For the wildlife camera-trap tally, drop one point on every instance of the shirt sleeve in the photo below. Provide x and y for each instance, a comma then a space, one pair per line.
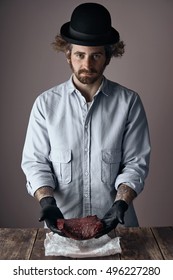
35, 158
135, 148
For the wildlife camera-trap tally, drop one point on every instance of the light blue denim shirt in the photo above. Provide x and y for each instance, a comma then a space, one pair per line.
84, 153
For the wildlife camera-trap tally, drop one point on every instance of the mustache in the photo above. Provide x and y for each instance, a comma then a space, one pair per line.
84, 71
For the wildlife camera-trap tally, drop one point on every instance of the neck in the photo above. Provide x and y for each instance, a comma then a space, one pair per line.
87, 90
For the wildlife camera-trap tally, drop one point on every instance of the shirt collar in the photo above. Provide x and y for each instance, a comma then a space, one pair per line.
104, 88
70, 85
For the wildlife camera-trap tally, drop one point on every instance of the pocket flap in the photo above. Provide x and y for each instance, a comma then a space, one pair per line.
61, 156
111, 156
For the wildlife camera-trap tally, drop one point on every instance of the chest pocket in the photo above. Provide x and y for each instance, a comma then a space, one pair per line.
110, 164
61, 162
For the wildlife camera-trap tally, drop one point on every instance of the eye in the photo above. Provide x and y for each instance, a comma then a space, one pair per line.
96, 56
80, 55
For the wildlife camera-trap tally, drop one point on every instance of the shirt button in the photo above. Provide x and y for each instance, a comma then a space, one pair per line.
86, 173
86, 195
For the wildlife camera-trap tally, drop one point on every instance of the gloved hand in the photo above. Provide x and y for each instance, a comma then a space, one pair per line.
113, 217
50, 213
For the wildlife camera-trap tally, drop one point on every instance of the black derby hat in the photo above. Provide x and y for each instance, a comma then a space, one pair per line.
90, 25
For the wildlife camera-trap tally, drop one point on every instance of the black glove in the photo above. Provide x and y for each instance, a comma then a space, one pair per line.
50, 213
113, 217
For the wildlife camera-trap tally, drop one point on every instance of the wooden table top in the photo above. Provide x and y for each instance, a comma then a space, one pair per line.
136, 243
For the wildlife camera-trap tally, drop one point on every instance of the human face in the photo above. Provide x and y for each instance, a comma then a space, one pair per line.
88, 63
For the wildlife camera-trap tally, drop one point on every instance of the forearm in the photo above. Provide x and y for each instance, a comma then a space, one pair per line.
44, 191
125, 193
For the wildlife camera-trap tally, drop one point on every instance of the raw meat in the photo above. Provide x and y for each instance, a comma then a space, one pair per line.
80, 228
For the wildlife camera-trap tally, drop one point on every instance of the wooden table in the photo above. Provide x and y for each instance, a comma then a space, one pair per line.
136, 243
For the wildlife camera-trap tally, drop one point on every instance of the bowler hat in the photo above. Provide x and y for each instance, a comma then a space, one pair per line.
90, 25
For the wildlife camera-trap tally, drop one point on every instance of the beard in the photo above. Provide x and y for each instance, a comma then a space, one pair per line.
89, 76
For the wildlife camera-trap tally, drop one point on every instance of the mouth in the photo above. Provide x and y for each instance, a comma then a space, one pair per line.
88, 73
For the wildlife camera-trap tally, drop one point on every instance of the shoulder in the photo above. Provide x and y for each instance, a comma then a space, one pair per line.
121, 90
53, 95
120, 93
55, 92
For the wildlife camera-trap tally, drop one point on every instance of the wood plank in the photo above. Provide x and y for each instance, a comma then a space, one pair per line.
38, 252
138, 244
164, 237
16, 244
111, 257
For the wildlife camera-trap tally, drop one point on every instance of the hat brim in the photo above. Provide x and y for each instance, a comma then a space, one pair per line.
88, 39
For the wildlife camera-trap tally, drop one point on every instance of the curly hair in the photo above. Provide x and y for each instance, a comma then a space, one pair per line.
115, 50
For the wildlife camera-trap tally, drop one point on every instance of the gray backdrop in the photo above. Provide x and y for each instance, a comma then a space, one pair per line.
29, 66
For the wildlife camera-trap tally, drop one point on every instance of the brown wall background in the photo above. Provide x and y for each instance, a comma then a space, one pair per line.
29, 66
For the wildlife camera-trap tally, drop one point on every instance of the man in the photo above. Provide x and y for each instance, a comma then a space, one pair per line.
87, 146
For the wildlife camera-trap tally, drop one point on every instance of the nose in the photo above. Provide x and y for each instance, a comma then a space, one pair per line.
87, 63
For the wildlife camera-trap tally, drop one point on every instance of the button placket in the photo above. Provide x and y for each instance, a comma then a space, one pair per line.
86, 166
86, 114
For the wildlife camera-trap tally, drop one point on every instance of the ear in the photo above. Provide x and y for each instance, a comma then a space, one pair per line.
68, 56
68, 60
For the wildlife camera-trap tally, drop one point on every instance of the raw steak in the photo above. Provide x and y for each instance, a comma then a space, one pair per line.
80, 228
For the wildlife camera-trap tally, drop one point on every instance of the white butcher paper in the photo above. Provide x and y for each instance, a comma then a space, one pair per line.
56, 245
